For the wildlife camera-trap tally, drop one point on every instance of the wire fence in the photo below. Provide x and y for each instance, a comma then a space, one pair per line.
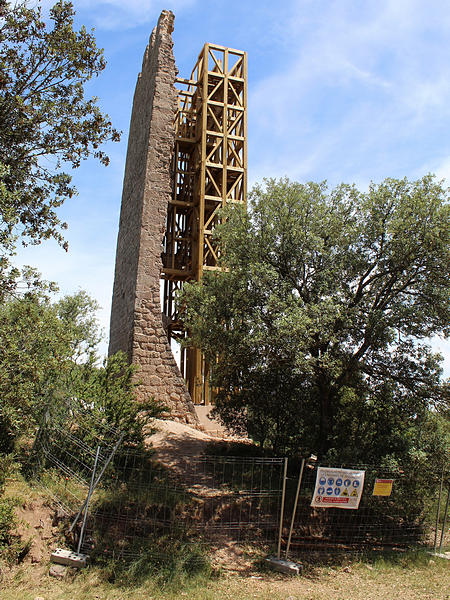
121, 501
63, 459
141, 502
130, 501
396, 511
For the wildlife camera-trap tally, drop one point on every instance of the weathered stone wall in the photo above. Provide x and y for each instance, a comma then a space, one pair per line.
136, 321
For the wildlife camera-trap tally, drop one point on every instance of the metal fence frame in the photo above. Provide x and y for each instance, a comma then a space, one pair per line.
134, 501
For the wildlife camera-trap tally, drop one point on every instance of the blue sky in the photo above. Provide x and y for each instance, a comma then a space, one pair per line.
343, 90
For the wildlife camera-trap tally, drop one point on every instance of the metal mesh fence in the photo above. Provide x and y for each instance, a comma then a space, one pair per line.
141, 503
138, 504
395, 521
64, 453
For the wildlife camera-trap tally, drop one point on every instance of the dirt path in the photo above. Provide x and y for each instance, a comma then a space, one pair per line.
182, 448
175, 440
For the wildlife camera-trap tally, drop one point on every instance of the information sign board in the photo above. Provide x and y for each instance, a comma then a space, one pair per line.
382, 487
338, 488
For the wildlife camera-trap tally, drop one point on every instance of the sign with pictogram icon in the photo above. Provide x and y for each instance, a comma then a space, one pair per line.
344, 490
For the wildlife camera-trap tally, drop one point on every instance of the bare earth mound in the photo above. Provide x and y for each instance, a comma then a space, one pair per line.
174, 440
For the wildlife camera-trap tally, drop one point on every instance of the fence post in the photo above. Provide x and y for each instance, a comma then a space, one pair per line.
91, 489
97, 481
436, 529
294, 510
444, 522
283, 497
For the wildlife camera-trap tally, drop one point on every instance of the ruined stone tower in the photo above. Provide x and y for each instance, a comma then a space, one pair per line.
186, 160
136, 320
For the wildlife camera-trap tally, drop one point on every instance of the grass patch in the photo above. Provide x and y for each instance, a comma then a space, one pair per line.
355, 581
166, 563
12, 548
411, 559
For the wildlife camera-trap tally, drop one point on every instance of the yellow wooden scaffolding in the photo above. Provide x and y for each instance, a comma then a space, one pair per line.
210, 170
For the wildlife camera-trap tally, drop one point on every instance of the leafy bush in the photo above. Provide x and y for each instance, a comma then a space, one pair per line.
7, 523
49, 360
107, 393
11, 547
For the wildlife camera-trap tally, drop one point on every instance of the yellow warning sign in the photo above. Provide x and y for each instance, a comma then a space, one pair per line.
354, 493
345, 492
382, 487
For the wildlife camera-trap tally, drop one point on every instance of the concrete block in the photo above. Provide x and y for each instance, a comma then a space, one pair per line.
69, 558
445, 555
284, 566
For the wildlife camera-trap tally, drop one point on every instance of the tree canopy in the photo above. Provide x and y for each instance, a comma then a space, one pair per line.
316, 330
49, 359
47, 126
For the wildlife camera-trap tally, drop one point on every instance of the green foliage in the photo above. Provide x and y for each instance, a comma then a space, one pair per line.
320, 319
108, 392
8, 543
10, 548
46, 123
6, 468
77, 313
49, 359
48, 367
35, 352
7, 521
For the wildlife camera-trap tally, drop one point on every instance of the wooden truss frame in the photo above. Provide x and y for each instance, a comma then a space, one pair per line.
209, 171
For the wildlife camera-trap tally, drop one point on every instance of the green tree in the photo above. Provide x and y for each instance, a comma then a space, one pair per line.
49, 365
321, 317
46, 124
108, 392
35, 349
49, 359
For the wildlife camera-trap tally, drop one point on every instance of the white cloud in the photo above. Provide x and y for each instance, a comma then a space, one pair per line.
363, 83
440, 168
